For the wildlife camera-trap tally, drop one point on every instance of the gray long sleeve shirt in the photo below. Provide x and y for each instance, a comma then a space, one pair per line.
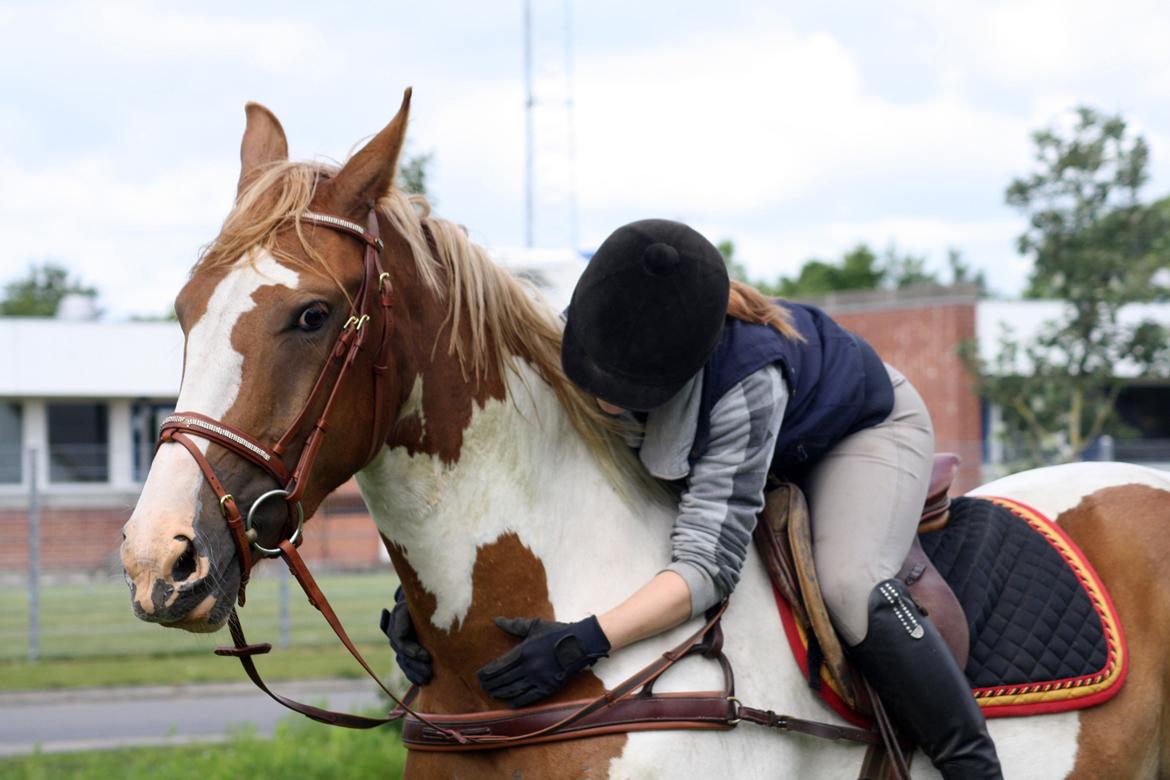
724, 489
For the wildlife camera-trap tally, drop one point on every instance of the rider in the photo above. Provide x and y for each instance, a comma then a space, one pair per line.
722, 386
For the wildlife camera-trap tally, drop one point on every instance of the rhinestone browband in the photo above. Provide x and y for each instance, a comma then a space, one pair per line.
195, 422
332, 220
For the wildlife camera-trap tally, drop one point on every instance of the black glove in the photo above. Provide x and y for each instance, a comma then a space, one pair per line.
539, 666
412, 658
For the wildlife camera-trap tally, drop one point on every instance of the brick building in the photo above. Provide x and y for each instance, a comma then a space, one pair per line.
88, 398
918, 332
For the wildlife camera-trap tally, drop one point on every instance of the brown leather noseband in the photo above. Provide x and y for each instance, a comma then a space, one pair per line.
374, 301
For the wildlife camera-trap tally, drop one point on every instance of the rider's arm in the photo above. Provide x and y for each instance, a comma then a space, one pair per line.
717, 514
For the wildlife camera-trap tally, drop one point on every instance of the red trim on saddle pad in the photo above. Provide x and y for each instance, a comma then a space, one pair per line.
799, 644
1073, 693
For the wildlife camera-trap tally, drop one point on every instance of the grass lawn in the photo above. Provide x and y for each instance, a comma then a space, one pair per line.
90, 637
300, 749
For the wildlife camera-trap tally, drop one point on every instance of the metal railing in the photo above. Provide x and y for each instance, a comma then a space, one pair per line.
70, 610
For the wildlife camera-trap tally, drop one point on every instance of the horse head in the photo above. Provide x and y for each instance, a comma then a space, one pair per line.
487, 472
263, 315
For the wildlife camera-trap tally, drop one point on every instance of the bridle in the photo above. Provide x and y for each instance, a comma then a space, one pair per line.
632, 705
372, 309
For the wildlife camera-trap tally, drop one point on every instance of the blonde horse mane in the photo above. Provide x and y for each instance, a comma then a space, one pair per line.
505, 317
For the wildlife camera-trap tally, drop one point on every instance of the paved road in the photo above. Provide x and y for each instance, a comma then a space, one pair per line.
100, 718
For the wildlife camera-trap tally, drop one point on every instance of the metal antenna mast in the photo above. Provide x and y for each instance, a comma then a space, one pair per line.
528, 126
555, 205
572, 125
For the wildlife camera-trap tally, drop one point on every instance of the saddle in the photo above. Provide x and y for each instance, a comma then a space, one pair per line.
783, 536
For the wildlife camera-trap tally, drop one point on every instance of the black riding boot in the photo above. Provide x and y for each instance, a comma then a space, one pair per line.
909, 665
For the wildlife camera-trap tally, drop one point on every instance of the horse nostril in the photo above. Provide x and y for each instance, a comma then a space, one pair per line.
185, 565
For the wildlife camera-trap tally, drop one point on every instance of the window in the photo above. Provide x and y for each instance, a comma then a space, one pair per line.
79, 443
1145, 410
11, 442
146, 420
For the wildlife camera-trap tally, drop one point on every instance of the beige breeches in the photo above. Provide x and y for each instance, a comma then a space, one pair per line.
865, 497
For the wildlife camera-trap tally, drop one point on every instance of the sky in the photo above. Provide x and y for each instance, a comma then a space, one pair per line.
795, 129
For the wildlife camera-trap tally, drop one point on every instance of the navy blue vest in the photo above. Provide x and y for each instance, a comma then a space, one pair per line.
837, 384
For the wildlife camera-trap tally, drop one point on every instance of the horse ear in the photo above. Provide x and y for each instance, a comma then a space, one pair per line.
263, 143
369, 174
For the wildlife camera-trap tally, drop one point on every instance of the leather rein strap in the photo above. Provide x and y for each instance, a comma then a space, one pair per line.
632, 705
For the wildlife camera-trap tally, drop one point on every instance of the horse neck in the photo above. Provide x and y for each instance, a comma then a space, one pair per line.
511, 517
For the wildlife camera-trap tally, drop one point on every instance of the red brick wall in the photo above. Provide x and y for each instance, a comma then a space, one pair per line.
71, 539
920, 340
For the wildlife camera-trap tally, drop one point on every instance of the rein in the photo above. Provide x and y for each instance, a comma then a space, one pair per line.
632, 705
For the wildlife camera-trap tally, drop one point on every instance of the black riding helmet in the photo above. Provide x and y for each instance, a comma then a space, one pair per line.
646, 314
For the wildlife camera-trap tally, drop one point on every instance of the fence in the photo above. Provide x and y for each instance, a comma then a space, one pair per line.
62, 592
74, 617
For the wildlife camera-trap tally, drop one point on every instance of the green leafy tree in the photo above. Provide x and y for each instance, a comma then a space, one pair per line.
40, 292
735, 268
906, 270
962, 273
414, 172
858, 269
1096, 246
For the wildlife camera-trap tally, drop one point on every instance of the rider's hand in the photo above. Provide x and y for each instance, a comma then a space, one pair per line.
540, 665
412, 658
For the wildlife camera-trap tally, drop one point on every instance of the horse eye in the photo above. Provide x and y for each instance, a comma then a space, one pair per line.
313, 317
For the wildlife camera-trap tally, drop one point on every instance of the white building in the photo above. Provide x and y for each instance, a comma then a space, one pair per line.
88, 397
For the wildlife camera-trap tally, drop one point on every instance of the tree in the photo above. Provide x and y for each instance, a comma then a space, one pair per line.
1089, 235
40, 292
1095, 246
858, 269
735, 269
961, 272
906, 270
413, 173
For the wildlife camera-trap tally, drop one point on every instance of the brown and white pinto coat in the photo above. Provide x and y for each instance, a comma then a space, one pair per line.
495, 498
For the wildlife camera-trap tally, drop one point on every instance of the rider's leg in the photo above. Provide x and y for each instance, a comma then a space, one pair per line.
865, 498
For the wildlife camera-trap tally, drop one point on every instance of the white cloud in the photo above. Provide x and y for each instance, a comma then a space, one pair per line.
150, 33
118, 138
134, 241
1042, 43
752, 120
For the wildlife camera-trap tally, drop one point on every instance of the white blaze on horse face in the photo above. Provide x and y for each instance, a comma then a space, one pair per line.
212, 375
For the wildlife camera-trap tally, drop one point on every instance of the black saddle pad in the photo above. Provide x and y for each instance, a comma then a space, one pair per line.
1044, 635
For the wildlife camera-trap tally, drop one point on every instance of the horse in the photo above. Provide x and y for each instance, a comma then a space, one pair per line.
498, 488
